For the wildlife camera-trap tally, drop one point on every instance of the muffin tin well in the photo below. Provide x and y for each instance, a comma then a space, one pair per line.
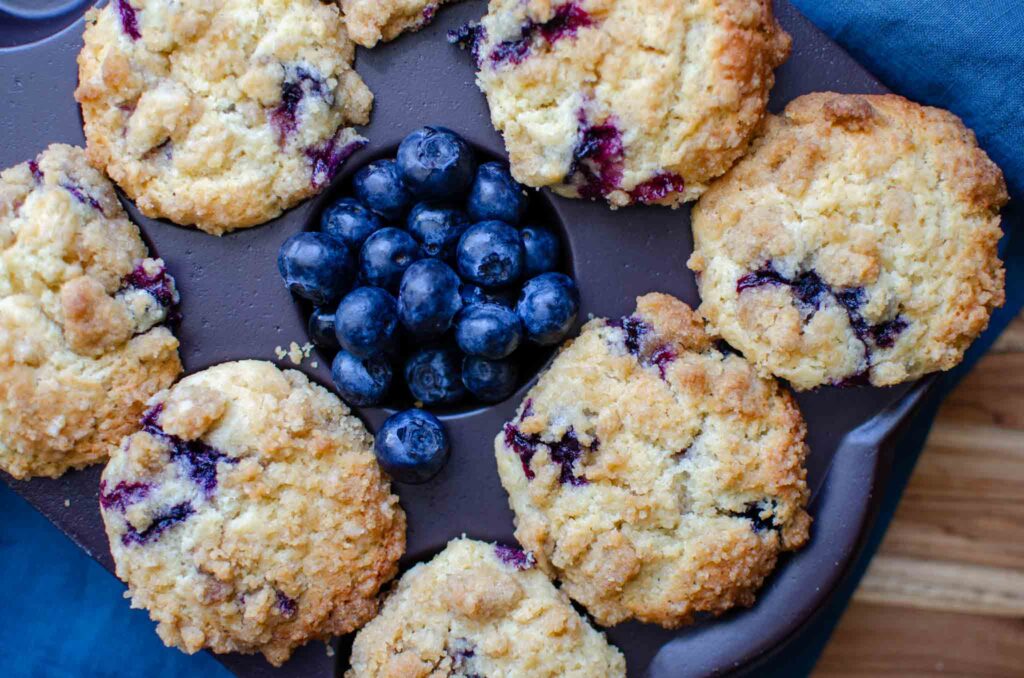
235, 306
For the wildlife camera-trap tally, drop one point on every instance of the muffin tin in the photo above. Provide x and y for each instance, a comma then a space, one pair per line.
235, 306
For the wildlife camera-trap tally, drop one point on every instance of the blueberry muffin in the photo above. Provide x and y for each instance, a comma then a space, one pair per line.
370, 21
481, 610
249, 514
655, 474
632, 101
219, 114
83, 344
856, 244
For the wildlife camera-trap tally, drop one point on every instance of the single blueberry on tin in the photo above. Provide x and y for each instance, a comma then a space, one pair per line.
361, 381
350, 221
490, 254
412, 446
436, 163
366, 322
548, 307
379, 186
384, 257
316, 267
496, 196
429, 298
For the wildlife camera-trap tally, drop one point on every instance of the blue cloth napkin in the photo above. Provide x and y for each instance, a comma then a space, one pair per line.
64, 616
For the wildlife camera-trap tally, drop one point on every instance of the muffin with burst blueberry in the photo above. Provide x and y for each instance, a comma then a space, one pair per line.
84, 313
220, 115
480, 609
431, 279
856, 244
249, 514
656, 476
628, 101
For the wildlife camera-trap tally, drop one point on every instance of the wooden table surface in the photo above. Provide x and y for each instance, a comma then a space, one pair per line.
945, 593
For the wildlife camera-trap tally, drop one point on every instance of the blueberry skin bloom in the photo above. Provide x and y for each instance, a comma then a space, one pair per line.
349, 221
385, 256
547, 307
412, 446
496, 195
366, 322
489, 380
436, 163
490, 254
321, 328
429, 298
434, 376
488, 330
541, 251
361, 381
437, 228
379, 186
316, 267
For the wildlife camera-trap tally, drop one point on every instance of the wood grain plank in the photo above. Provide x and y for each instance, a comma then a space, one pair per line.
945, 586
875, 640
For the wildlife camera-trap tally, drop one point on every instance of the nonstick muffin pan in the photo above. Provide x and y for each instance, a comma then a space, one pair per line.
235, 306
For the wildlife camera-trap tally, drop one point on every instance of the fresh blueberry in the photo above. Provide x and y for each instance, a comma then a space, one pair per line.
490, 254
366, 322
321, 329
315, 266
488, 330
348, 220
412, 446
548, 306
489, 380
361, 381
542, 251
434, 376
379, 186
436, 163
385, 256
496, 195
429, 298
437, 228
474, 294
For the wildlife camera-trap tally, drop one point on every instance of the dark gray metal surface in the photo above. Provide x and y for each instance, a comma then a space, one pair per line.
235, 306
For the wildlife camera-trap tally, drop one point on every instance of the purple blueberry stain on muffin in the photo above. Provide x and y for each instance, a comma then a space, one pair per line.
752, 512
642, 343
327, 158
79, 194
469, 37
565, 452
123, 495
658, 187
159, 284
525, 446
129, 19
514, 557
37, 173
160, 524
810, 291
198, 460
566, 22
596, 168
285, 605
299, 83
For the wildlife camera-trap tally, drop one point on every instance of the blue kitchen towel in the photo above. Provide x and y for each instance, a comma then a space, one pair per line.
64, 615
